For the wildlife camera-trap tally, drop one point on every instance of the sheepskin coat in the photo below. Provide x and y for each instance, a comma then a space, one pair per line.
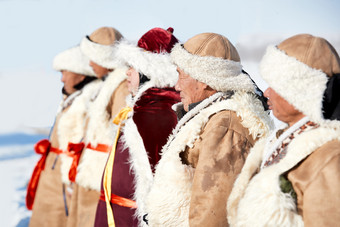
312, 165
100, 130
49, 206
202, 158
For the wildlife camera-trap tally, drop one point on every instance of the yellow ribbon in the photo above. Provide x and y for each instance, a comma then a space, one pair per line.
121, 116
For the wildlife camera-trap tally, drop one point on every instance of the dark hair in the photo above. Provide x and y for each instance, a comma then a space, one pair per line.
331, 99
142, 79
82, 84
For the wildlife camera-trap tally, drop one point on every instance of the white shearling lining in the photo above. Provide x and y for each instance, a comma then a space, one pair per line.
299, 84
220, 74
102, 55
73, 60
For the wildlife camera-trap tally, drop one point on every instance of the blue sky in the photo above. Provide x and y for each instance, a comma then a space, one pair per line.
34, 31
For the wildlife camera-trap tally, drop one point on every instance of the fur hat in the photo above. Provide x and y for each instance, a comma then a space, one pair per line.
212, 59
158, 40
298, 70
99, 46
73, 60
151, 56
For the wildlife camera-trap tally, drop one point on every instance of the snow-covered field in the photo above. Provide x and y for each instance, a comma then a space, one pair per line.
17, 160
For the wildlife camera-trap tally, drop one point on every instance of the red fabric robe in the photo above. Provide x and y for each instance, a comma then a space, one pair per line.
155, 120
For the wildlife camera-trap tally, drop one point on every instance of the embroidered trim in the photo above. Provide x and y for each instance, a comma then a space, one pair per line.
281, 151
273, 143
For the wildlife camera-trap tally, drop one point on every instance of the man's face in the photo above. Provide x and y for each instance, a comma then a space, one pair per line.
71, 79
191, 90
99, 70
282, 110
133, 80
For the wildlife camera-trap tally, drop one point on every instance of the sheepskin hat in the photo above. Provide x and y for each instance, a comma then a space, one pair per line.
151, 56
212, 59
100, 45
298, 70
73, 60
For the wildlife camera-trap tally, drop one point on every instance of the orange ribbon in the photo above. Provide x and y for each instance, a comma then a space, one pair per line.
56, 150
74, 151
100, 147
42, 147
121, 201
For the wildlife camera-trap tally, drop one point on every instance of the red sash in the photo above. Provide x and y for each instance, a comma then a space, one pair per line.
121, 201
74, 151
42, 147
100, 147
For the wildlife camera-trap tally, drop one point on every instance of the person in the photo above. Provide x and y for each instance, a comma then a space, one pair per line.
147, 121
221, 117
46, 193
292, 178
100, 132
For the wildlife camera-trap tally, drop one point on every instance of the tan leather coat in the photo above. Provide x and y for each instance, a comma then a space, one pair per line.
217, 156
202, 159
316, 182
312, 165
49, 208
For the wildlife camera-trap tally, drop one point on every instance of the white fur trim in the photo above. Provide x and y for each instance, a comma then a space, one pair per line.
100, 129
258, 200
169, 198
139, 164
131, 100
71, 126
220, 74
102, 55
299, 84
157, 67
273, 144
73, 60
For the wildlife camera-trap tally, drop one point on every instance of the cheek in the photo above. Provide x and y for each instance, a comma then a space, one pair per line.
186, 86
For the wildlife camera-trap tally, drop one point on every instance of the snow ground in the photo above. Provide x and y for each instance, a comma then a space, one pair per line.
17, 160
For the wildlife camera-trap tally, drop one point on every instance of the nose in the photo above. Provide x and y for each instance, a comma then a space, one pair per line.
267, 92
62, 77
177, 87
128, 73
91, 64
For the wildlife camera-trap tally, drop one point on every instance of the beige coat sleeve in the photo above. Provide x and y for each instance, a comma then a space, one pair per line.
317, 184
118, 99
218, 157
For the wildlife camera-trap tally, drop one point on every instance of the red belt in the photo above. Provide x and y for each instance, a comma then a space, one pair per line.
74, 151
56, 150
100, 147
121, 201
42, 147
